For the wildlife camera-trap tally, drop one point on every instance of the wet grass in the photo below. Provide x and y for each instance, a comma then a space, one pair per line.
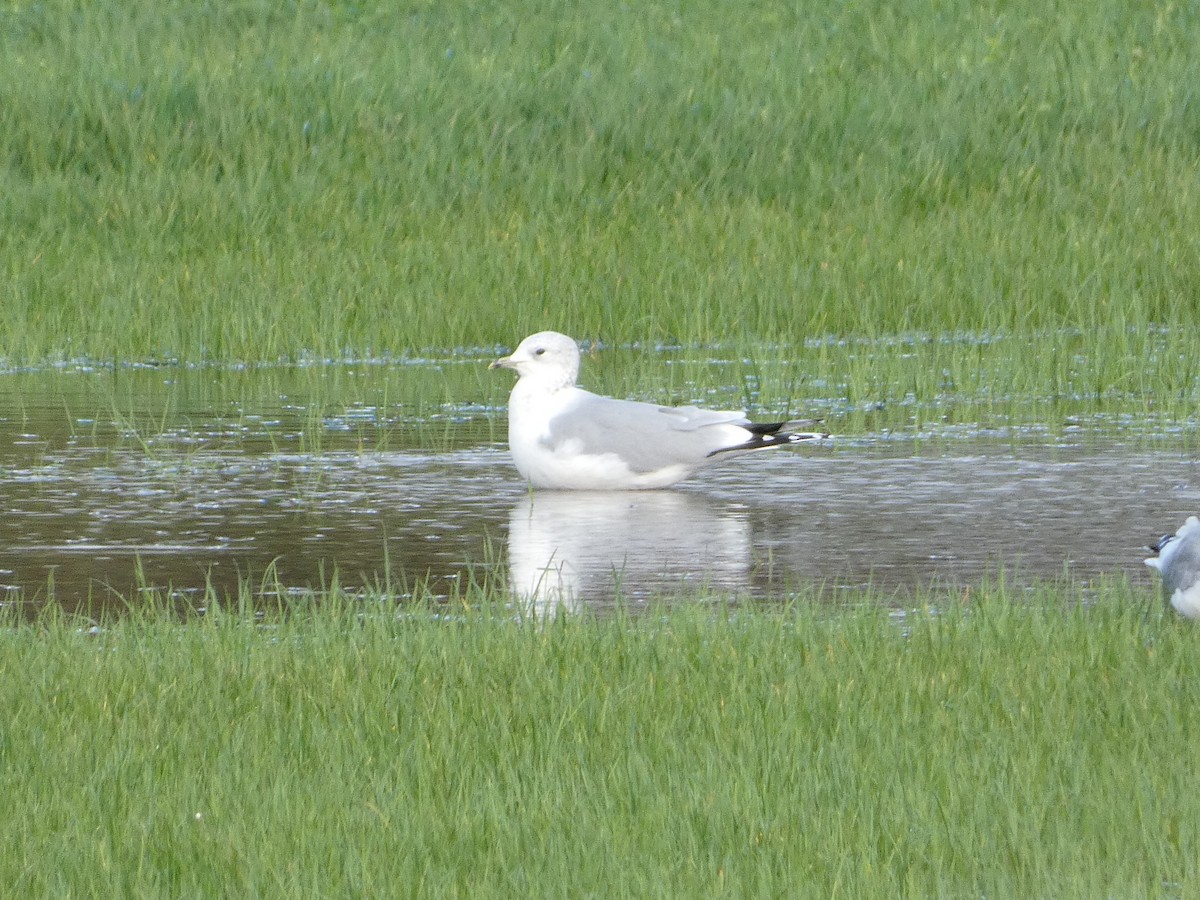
985, 744
248, 181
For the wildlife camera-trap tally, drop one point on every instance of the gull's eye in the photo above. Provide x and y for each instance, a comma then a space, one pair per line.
539, 351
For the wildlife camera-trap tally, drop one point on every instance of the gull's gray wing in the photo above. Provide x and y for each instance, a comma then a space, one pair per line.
645, 436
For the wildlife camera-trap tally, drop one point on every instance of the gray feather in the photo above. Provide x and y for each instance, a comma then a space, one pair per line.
647, 437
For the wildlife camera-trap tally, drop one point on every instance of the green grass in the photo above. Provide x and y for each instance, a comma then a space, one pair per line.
260, 181
985, 745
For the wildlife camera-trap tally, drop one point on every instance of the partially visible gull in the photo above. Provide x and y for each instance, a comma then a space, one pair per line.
1178, 561
563, 437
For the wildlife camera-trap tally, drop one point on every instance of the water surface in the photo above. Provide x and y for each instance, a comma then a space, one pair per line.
178, 487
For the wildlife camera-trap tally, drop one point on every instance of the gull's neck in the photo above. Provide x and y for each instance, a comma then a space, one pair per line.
546, 382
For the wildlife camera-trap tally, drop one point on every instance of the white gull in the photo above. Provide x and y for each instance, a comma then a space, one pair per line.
563, 437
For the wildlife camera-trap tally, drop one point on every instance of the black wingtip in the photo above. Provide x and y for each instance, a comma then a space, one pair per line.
774, 427
764, 428
768, 435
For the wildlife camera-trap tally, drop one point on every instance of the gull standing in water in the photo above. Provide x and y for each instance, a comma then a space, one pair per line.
563, 437
1178, 561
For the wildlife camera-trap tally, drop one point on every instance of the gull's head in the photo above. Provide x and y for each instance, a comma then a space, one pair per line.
547, 357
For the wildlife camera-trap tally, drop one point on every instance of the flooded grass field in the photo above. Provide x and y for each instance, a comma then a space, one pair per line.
256, 259
185, 482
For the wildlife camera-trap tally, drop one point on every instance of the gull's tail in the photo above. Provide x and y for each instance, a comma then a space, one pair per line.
765, 435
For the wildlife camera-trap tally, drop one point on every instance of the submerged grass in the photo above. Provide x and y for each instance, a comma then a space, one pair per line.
912, 386
1031, 746
249, 181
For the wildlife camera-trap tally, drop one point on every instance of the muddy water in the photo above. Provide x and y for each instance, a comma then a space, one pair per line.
94, 510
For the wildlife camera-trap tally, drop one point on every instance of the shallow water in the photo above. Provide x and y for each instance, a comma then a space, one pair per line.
99, 504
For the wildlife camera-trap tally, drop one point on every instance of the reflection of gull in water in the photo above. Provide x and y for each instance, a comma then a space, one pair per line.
564, 548
1178, 561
